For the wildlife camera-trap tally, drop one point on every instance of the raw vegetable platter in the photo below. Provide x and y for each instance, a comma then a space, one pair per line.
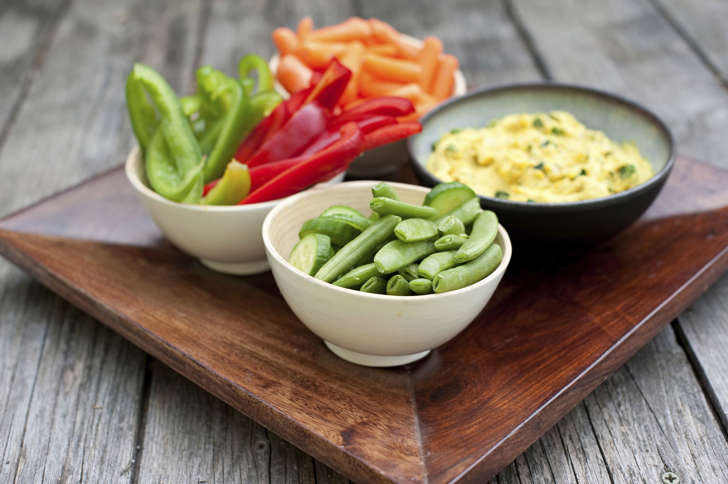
550, 335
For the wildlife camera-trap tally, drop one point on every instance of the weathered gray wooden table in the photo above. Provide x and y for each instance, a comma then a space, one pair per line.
78, 403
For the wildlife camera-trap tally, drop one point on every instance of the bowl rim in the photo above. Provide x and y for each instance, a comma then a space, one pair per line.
135, 157
292, 201
540, 207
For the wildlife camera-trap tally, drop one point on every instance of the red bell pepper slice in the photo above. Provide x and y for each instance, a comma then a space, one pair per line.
391, 133
321, 166
304, 126
256, 137
260, 175
329, 89
209, 186
366, 125
385, 105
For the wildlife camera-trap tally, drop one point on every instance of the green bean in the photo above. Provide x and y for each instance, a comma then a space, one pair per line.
420, 286
375, 284
467, 211
348, 256
383, 190
385, 206
485, 228
409, 272
357, 276
450, 242
470, 273
397, 254
451, 225
398, 286
416, 229
435, 263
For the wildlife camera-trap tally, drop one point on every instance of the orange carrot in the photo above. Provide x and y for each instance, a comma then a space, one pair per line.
442, 84
408, 48
293, 74
382, 31
353, 29
392, 69
428, 60
385, 33
370, 86
285, 39
317, 55
387, 50
305, 26
410, 91
352, 58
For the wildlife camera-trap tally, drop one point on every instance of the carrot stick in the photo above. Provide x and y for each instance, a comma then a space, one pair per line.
317, 55
370, 86
411, 91
444, 80
387, 50
385, 33
353, 29
285, 39
305, 26
428, 60
392, 69
293, 74
352, 58
408, 49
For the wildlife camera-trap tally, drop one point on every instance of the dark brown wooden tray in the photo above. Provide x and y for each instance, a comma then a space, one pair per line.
556, 327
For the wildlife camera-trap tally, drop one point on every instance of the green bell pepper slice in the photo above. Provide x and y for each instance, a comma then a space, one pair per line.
252, 62
232, 187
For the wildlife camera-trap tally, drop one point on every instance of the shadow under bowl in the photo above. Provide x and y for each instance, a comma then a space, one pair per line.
580, 222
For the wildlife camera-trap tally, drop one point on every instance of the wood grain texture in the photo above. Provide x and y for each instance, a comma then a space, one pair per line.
467, 423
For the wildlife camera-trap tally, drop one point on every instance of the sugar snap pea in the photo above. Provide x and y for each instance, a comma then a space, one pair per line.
375, 284
420, 286
467, 211
385, 206
397, 254
374, 235
450, 242
416, 229
470, 273
409, 272
451, 225
435, 263
383, 190
485, 228
357, 276
398, 286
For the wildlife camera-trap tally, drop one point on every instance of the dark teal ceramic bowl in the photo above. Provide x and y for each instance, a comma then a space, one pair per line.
573, 222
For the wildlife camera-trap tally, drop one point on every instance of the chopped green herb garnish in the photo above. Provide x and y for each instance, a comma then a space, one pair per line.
626, 171
546, 143
451, 148
553, 117
608, 153
492, 123
529, 148
557, 131
582, 172
539, 166
537, 123
455, 130
433, 146
531, 200
502, 194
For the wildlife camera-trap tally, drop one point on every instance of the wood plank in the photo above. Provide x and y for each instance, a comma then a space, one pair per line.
75, 387
612, 53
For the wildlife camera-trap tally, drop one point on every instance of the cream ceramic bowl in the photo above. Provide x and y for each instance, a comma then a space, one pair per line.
368, 329
224, 238
385, 159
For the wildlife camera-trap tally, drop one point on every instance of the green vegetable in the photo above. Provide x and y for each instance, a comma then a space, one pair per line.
348, 214
375, 284
435, 263
420, 286
415, 229
398, 286
252, 62
537, 123
409, 272
557, 131
310, 253
470, 273
502, 194
455, 130
383, 190
374, 235
539, 166
397, 254
485, 229
446, 197
387, 206
467, 211
582, 172
546, 143
451, 148
450, 242
451, 225
357, 276
166, 177
339, 230
626, 171
232, 187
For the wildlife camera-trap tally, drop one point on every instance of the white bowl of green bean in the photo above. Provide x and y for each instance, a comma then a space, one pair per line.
364, 328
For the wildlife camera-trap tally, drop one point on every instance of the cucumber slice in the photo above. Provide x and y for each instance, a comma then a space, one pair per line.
311, 252
353, 217
339, 230
446, 197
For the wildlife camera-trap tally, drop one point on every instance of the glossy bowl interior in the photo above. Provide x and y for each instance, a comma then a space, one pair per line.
368, 329
224, 238
582, 221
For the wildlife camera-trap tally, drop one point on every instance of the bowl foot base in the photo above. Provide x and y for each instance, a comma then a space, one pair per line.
236, 268
374, 360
